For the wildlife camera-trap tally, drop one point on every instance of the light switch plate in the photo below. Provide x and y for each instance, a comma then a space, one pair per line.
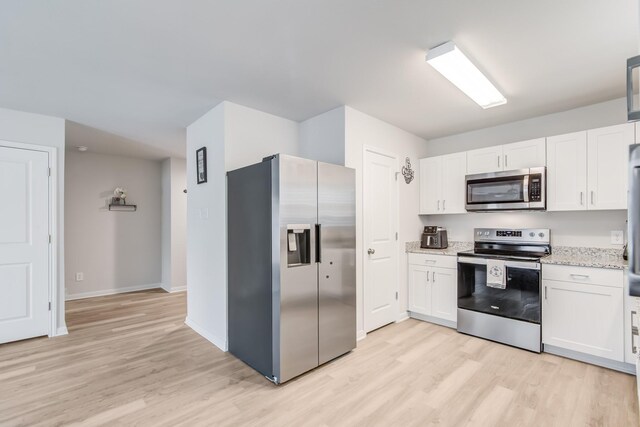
617, 237
79, 277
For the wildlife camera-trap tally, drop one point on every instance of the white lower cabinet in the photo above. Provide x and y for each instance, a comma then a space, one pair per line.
444, 293
433, 287
582, 310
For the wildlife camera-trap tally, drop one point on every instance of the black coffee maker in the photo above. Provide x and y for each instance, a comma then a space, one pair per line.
434, 237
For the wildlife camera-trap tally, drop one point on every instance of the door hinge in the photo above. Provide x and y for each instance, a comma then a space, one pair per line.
49, 305
49, 171
396, 235
396, 296
397, 173
49, 238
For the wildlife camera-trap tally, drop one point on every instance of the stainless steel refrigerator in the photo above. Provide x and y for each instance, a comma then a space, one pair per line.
291, 264
633, 241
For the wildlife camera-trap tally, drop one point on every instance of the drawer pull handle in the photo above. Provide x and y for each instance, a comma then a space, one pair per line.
579, 276
430, 261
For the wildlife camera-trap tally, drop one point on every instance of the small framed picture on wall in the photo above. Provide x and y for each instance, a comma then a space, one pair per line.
201, 163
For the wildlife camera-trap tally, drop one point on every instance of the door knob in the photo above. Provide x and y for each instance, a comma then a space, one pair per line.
371, 251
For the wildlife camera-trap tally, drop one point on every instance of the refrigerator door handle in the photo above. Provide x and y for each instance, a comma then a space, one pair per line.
318, 245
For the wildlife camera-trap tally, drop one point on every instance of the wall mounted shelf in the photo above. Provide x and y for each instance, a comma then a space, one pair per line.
123, 208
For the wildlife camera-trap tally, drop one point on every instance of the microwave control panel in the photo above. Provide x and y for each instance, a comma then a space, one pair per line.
535, 188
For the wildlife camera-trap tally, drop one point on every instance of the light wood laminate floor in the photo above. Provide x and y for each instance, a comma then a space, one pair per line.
130, 360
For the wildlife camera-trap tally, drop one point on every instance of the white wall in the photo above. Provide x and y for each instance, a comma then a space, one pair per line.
322, 137
567, 228
592, 116
27, 128
235, 136
250, 135
206, 230
174, 225
116, 251
363, 130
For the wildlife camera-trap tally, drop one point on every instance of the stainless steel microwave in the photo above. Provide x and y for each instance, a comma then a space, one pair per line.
520, 189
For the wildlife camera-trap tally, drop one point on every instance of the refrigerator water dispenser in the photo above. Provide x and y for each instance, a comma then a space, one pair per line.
298, 244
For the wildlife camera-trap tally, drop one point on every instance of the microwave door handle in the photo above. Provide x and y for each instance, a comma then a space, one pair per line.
525, 189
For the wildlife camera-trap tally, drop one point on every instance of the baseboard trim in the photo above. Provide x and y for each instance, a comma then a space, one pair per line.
61, 331
105, 292
217, 341
431, 319
627, 368
402, 317
178, 289
361, 335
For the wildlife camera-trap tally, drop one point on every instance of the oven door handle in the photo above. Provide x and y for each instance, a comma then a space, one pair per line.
513, 264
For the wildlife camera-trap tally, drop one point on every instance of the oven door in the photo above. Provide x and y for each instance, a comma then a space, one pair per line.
498, 191
520, 300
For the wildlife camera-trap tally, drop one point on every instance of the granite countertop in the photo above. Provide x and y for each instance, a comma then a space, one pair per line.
451, 250
586, 257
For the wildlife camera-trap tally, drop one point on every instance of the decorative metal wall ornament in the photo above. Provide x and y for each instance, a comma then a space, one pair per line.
407, 172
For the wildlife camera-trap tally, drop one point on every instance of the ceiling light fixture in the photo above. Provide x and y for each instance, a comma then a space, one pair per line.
449, 61
82, 148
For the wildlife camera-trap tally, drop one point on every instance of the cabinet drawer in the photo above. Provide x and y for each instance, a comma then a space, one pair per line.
444, 261
587, 275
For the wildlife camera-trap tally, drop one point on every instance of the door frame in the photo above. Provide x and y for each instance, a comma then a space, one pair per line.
382, 152
53, 230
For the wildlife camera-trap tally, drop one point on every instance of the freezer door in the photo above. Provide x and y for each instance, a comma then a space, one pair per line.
634, 220
337, 261
295, 320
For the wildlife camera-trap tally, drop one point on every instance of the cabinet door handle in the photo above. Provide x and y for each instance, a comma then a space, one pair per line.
427, 277
581, 198
545, 292
506, 161
498, 160
438, 205
591, 197
434, 277
443, 204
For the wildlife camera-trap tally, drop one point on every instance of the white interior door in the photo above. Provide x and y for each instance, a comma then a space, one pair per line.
24, 244
380, 212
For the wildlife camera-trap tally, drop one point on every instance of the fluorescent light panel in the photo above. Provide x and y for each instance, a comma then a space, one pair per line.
449, 61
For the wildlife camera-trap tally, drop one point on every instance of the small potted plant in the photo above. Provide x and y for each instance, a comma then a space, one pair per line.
119, 196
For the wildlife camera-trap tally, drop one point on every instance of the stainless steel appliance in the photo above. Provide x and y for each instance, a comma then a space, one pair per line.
520, 189
633, 89
510, 312
633, 245
434, 237
291, 265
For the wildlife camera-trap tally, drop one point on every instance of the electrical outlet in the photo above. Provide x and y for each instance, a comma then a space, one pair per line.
79, 277
617, 237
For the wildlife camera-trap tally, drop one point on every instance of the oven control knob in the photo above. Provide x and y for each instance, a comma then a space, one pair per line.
531, 234
541, 234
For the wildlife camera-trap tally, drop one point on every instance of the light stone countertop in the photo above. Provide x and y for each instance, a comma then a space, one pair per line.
451, 250
586, 257
561, 255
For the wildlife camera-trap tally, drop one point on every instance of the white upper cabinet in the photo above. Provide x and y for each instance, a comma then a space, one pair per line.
567, 172
525, 154
442, 189
608, 156
588, 170
518, 155
430, 171
454, 167
485, 160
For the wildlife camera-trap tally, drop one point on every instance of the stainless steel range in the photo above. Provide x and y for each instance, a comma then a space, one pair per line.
499, 284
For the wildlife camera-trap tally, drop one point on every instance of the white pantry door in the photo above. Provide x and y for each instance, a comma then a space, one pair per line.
24, 244
380, 212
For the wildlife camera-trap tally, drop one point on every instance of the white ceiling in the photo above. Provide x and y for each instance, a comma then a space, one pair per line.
145, 69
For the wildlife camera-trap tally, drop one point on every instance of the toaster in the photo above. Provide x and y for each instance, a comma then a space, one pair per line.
434, 237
